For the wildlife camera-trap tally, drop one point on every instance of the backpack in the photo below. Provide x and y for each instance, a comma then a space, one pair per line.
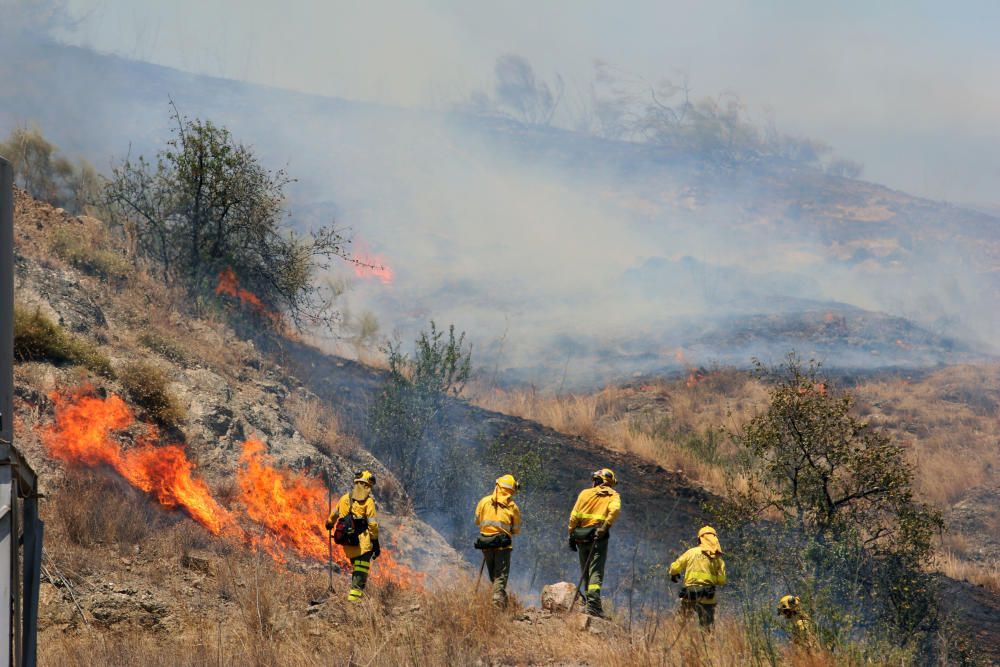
348, 530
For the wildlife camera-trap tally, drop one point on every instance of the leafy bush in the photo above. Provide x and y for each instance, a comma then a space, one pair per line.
408, 414
37, 338
147, 386
81, 251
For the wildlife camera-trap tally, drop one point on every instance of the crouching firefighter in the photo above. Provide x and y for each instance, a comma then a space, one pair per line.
703, 570
590, 521
799, 626
355, 529
499, 519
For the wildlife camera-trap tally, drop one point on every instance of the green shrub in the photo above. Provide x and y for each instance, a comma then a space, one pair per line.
37, 338
163, 346
79, 250
147, 387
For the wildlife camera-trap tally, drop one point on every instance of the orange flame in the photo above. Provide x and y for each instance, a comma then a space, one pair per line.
289, 506
693, 378
82, 432
373, 266
230, 286
292, 507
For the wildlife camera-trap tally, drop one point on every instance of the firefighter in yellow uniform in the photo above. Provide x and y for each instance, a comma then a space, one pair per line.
499, 519
361, 545
593, 514
800, 627
703, 570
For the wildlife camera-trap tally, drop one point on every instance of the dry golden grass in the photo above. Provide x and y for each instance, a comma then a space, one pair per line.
674, 424
986, 575
318, 424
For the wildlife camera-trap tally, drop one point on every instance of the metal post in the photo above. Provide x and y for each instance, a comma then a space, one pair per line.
6, 304
8, 541
6, 544
33, 531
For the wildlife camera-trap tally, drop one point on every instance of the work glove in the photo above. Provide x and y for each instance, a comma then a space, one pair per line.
376, 549
675, 578
601, 532
572, 544
329, 524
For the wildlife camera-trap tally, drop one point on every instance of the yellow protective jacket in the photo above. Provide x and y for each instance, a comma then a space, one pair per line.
700, 569
803, 631
595, 505
363, 508
498, 513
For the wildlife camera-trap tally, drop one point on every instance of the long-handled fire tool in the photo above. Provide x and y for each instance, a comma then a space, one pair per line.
329, 533
481, 568
583, 577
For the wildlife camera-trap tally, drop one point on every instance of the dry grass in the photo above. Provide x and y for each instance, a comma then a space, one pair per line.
148, 386
948, 422
38, 338
318, 425
986, 575
674, 424
97, 509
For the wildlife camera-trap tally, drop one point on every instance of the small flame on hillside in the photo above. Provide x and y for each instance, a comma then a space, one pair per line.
82, 434
229, 286
373, 266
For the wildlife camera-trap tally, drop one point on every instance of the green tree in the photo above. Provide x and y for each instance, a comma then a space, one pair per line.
826, 510
208, 206
408, 414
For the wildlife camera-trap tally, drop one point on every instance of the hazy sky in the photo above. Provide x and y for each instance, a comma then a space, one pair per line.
911, 89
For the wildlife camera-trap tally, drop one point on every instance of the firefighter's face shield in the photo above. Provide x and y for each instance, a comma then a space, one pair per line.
361, 490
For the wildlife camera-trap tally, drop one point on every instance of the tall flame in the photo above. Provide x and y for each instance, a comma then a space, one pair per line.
82, 434
288, 504
290, 507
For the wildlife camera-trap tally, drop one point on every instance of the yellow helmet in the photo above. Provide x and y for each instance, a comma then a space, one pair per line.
789, 603
605, 476
364, 477
509, 483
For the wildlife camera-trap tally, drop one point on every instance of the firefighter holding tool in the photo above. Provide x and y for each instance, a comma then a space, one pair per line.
590, 521
499, 519
356, 530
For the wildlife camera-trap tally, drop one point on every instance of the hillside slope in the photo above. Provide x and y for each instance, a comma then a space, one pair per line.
118, 562
648, 250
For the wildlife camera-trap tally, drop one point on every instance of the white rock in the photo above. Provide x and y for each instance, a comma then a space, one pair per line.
558, 597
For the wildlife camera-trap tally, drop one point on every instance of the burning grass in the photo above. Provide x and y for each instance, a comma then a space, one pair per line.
286, 507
